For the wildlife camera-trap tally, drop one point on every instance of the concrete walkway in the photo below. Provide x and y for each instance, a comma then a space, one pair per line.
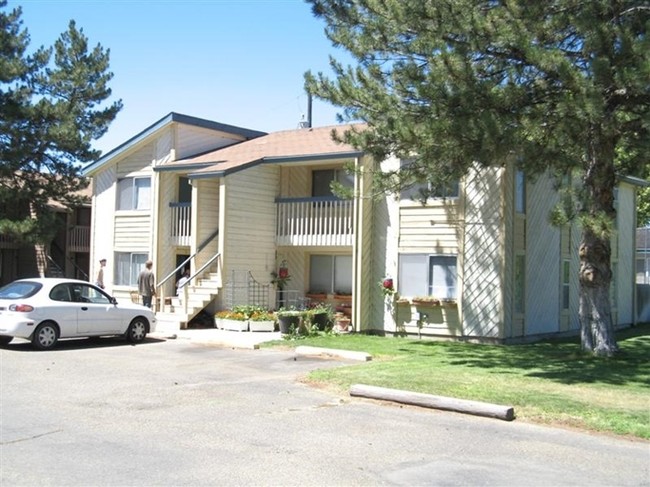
215, 336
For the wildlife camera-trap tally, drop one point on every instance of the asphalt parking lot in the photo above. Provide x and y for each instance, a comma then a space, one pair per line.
178, 412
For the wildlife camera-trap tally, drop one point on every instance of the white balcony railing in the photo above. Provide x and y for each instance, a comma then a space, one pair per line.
314, 221
79, 239
181, 223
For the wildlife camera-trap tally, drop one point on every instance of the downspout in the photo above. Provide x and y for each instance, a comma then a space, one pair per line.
635, 298
156, 216
357, 295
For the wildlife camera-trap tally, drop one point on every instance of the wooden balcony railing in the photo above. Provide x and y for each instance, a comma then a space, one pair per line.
79, 239
323, 221
181, 223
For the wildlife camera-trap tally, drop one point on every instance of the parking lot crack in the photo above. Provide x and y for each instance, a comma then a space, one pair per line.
33, 437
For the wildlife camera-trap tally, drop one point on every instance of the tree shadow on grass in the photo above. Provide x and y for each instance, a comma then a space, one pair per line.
557, 360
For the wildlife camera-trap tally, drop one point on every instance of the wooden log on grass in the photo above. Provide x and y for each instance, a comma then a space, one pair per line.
506, 413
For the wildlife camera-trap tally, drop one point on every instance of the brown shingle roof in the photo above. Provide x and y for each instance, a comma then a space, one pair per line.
306, 142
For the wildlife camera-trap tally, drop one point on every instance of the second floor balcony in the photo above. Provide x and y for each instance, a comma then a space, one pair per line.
79, 238
322, 221
181, 223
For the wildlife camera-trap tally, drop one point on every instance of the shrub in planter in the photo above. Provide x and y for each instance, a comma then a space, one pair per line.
289, 320
320, 316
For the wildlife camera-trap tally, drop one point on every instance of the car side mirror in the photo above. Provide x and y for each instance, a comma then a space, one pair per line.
113, 300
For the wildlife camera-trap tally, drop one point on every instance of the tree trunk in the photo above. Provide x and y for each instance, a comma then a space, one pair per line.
596, 327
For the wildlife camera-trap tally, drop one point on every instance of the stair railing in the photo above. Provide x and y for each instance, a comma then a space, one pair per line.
159, 286
184, 286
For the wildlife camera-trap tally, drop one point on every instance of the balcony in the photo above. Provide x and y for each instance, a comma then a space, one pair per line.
181, 223
79, 238
323, 221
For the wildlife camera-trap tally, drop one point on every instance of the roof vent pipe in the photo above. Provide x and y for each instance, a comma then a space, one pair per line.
306, 124
308, 110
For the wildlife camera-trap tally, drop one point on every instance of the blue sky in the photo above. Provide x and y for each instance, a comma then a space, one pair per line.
239, 62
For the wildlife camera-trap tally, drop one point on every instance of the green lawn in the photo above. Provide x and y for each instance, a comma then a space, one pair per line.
546, 382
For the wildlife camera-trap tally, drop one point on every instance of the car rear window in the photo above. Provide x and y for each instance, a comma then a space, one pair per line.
20, 290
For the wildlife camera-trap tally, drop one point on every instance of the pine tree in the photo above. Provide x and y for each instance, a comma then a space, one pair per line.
558, 85
50, 112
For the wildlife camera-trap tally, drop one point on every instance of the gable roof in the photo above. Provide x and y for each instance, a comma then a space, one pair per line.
167, 120
285, 146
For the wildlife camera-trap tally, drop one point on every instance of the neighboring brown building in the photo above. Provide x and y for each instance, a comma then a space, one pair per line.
67, 255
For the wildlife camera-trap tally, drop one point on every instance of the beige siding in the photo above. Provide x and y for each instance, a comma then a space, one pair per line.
406, 227
103, 208
542, 259
207, 218
163, 147
194, 140
432, 228
483, 254
137, 163
166, 253
511, 222
249, 221
133, 233
368, 268
296, 181
626, 224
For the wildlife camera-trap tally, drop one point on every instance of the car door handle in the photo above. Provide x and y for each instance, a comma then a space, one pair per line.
84, 308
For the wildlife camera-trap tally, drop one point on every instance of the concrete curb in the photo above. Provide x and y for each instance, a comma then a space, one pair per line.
505, 413
231, 342
332, 352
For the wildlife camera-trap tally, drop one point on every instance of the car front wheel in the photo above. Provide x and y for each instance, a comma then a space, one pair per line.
137, 330
45, 336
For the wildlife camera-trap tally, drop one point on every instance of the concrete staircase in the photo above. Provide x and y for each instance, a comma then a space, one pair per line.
200, 292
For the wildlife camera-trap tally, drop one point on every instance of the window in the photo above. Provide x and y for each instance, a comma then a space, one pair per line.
566, 280
427, 189
330, 274
520, 192
184, 190
321, 179
520, 284
134, 194
427, 275
127, 268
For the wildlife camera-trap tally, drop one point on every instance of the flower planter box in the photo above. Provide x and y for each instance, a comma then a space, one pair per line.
316, 296
261, 325
343, 297
418, 302
234, 325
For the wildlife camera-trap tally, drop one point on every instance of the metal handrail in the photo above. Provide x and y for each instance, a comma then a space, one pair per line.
180, 266
189, 280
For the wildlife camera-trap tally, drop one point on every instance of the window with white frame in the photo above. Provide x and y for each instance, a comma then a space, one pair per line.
330, 274
127, 267
427, 275
566, 283
134, 193
428, 189
321, 180
520, 284
520, 192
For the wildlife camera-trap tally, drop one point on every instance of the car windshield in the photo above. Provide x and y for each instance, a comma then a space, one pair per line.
20, 290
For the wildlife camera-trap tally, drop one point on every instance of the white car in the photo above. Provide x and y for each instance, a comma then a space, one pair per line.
45, 309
